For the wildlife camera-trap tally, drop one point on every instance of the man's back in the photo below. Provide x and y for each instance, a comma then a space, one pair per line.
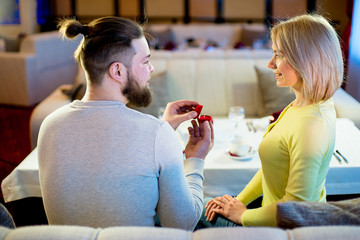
101, 164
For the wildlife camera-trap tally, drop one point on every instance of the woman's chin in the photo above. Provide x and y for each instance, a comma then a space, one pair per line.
280, 84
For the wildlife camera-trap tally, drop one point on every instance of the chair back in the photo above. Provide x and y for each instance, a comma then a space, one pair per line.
6, 219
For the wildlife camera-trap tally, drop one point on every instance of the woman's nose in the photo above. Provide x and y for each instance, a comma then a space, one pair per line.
271, 64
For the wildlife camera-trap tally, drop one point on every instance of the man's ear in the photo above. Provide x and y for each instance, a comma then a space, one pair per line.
117, 71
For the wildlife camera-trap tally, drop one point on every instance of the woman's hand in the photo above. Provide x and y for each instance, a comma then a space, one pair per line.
228, 206
209, 213
201, 140
179, 111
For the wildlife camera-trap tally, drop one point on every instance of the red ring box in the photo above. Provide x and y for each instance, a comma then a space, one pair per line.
198, 109
202, 118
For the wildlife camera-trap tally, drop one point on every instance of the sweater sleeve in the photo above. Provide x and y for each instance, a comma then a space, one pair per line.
180, 182
308, 149
253, 189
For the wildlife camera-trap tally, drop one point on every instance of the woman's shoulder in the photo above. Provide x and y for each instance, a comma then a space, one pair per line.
321, 117
320, 110
324, 110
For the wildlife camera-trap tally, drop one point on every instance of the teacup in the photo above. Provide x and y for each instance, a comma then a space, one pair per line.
239, 147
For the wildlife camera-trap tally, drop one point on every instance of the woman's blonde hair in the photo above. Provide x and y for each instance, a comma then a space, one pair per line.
312, 48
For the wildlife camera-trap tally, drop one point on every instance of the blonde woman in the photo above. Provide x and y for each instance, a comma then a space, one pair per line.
296, 149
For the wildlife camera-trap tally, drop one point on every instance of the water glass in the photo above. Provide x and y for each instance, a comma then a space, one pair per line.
160, 112
237, 116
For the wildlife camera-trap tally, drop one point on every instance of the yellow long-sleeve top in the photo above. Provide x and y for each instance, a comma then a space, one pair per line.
295, 154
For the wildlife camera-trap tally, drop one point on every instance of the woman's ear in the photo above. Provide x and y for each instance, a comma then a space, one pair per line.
117, 71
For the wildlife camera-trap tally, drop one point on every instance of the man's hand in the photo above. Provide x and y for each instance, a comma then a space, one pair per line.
209, 213
228, 206
201, 139
179, 111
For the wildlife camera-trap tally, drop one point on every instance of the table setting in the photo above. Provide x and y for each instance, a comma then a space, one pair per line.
223, 173
234, 159
236, 138
226, 174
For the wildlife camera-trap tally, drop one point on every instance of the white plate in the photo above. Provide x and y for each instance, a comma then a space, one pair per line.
249, 156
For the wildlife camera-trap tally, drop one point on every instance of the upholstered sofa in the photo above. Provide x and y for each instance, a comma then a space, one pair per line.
296, 220
2, 45
147, 233
43, 63
206, 35
217, 79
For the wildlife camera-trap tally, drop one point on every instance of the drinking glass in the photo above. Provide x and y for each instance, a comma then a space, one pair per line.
237, 116
160, 112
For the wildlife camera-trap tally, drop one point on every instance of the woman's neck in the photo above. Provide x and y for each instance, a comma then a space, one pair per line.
300, 100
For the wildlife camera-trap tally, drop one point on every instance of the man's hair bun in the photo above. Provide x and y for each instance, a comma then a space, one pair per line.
71, 28
85, 30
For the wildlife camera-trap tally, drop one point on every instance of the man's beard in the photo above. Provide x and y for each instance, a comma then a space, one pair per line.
137, 96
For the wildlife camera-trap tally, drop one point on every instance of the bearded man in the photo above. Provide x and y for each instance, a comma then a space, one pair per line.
103, 164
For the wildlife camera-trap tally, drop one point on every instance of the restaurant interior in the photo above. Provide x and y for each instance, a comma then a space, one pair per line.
246, 22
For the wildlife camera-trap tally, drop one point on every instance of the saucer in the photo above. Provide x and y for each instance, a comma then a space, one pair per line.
248, 156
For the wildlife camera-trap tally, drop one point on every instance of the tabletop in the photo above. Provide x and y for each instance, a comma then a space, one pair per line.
225, 175
222, 174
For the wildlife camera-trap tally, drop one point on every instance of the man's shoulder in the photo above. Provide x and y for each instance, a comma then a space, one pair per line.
143, 116
147, 121
58, 112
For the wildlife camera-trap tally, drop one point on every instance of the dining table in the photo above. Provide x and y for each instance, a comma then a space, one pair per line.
223, 173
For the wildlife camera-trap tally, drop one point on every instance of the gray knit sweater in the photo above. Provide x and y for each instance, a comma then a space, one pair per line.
103, 164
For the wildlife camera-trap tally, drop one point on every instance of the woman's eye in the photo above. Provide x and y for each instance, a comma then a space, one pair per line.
276, 54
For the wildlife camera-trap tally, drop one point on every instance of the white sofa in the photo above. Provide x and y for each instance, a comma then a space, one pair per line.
43, 63
225, 36
147, 233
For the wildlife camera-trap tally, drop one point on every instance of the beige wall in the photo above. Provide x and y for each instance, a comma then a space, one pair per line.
63, 7
94, 7
288, 8
164, 8
335, 10
233, 9
244, 9
129, 8
332, 9
203, 8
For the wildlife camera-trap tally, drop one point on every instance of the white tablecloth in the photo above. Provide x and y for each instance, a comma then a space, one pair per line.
223, 175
